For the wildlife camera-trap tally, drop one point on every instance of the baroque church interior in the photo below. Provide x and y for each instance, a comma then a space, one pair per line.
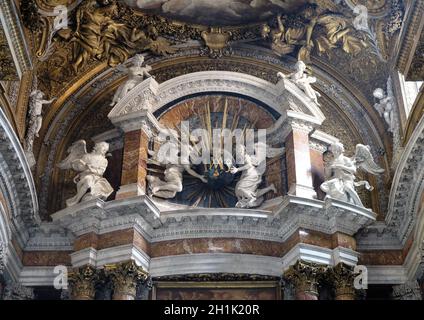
226, 149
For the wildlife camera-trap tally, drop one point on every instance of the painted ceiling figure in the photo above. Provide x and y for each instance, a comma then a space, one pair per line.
313, 27
99, 35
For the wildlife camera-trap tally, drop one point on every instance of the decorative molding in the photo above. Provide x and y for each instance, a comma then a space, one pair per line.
15, 36
407, 291
16, 183
272, 95
139, 212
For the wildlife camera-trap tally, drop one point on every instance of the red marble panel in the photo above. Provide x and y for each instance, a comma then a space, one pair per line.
46, 258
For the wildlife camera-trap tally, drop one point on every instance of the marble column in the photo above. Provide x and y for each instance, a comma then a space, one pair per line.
409, 290
125, 277
82, 282
304, 278
298, 158
341, 279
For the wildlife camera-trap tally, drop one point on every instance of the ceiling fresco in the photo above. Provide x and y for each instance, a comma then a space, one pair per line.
216, 12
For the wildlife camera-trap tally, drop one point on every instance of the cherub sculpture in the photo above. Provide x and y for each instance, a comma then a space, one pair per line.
302, 80
341, 185
35, 117
168, 156
91, 167
246, 189
136, 74
385, 106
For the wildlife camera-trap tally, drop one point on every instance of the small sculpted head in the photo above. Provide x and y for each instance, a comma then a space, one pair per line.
101, 148
337, 149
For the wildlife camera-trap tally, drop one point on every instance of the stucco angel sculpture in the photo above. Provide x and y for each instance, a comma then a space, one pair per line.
341, 185
35, 117
136, 74
91, 167
168, 157
246, 189
386, 105
302, 80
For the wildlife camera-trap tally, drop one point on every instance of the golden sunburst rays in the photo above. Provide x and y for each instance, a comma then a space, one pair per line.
221, 113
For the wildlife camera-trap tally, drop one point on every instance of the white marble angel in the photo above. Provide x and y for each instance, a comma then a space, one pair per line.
246, 189
35, 117
386, 105
91, 167
302, 80
341, 185
136, 74
168, 156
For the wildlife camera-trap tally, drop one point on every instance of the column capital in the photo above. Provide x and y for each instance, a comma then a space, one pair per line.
82, 282
341, 278
304, 277
125, 276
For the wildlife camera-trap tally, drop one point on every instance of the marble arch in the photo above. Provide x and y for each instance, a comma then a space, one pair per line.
287, 101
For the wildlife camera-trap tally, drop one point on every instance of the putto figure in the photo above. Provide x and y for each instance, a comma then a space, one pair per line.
91, 167
386, 105
136, 74
302, 80
341, 185
168, 157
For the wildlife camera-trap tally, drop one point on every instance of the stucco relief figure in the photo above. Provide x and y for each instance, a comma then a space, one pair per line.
247, 188
302, 80
386, 105
168, 157
99, 34
136, 74
35, 117
341, 185
91, 167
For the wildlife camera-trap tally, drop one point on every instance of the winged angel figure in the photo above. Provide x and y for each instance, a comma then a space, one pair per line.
341, 185
168, 156
91, 167
247, 188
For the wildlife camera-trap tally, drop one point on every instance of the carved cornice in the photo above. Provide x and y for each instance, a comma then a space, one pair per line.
405, 195
139, 212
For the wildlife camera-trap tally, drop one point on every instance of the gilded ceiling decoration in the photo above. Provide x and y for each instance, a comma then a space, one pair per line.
7, 66
110, 31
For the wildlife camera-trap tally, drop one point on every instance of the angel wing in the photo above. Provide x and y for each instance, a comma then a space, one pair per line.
75, 152
365, 161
